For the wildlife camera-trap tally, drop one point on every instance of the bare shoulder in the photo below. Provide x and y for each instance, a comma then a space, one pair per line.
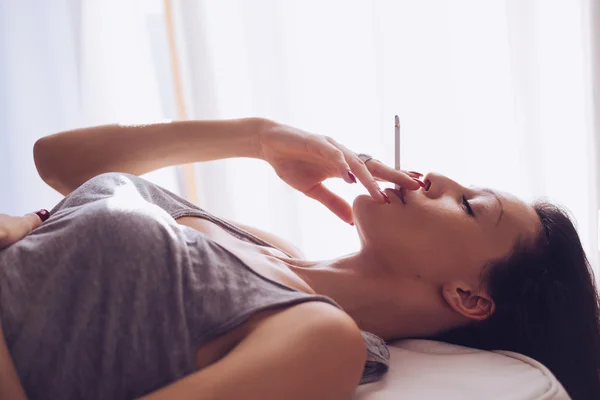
311, 350
315, 319
316, 351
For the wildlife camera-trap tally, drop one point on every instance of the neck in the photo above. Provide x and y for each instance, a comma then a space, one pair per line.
379, 299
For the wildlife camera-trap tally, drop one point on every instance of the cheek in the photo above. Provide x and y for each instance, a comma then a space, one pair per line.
427, 234
440, 234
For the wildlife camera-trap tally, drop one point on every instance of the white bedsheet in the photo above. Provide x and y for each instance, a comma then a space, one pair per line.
427, 370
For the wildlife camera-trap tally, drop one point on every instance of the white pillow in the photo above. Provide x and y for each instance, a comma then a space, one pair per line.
428, 370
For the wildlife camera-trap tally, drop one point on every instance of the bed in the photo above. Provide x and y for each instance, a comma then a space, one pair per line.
427, 370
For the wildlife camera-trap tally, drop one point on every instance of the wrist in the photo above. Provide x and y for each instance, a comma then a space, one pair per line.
262, 127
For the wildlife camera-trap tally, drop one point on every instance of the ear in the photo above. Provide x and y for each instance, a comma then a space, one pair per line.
473, 303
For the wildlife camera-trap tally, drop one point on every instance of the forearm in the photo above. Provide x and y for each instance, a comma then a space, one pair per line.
65, 160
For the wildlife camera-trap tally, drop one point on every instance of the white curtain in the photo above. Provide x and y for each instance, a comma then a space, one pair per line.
493, 93
66, 64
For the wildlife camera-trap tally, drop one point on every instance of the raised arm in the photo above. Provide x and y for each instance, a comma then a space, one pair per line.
65, 160
303, 160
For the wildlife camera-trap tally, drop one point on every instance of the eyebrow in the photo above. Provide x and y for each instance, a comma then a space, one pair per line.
497, 196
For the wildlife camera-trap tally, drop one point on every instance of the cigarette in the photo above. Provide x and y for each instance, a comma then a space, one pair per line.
397, 145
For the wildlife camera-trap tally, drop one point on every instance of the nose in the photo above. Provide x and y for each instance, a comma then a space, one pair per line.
437, 185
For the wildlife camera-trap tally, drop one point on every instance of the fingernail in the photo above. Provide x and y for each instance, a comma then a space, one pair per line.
352, 177
387, 199
43, 214
414, 172
419, 182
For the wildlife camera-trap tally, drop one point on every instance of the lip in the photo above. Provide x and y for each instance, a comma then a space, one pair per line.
397, 193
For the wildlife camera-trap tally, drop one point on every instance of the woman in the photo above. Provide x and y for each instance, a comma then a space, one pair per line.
128, 290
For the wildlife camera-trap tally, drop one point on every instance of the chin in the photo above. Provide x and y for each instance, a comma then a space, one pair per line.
372, 221
361, 201
363, 208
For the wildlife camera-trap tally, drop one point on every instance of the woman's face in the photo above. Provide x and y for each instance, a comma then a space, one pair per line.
444, 231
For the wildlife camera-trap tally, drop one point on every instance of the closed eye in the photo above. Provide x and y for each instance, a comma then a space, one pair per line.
468, 206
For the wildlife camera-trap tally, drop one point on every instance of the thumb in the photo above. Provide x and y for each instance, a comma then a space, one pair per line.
35, 219
13, 229
332, 201
32, 221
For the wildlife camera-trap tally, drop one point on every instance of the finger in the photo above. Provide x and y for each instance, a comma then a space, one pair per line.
382, 171
363, 174
43, 214
332, 201
336, 156
31, 221
361, 171
34, 220
16, 228
413, 174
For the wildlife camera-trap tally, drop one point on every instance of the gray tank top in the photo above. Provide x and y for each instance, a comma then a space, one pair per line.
110, 297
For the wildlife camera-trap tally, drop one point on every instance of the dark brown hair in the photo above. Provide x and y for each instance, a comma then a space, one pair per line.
546, 306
